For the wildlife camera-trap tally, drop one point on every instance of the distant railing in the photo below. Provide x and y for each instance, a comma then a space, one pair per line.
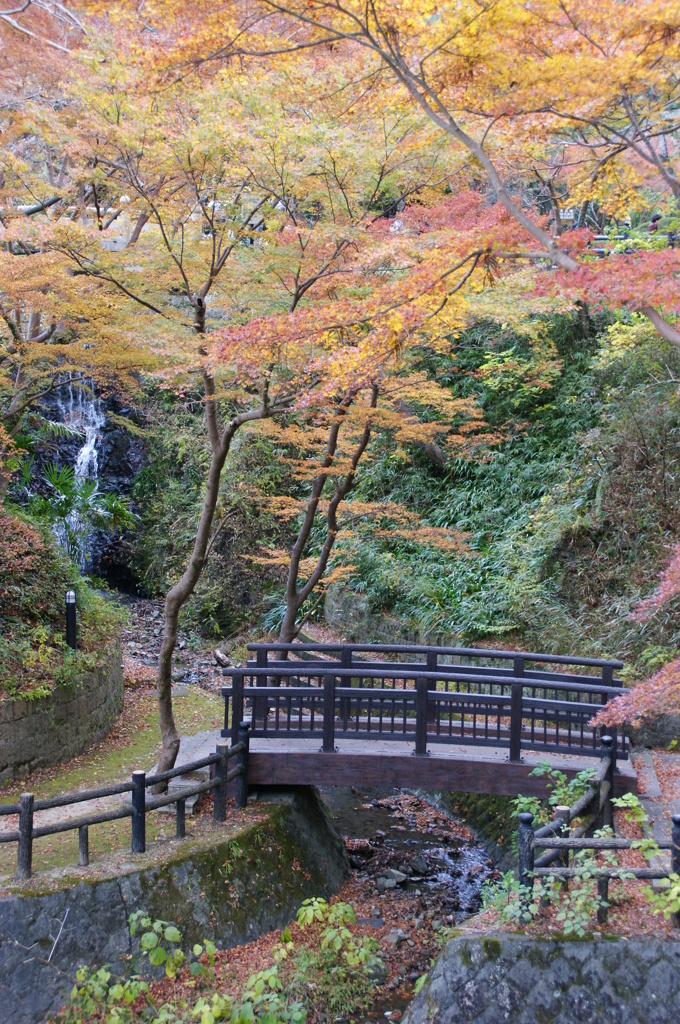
425, 701
137, 809
593, 810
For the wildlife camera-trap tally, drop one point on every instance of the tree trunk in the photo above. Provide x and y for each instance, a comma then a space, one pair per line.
176, 598
296, 598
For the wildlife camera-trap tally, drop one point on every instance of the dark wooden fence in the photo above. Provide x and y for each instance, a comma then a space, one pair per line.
434, 695
139, 805
593, 811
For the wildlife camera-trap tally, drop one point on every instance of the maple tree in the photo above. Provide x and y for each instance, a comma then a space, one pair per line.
577, 96
260, 204
328, 454
221, 207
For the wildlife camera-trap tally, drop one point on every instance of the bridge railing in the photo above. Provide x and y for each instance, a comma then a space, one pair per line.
465, 660
423, 704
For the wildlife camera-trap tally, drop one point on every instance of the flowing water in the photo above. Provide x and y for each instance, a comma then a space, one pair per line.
439, 866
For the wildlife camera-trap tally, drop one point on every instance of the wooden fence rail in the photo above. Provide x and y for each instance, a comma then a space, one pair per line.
140, 804
593, 810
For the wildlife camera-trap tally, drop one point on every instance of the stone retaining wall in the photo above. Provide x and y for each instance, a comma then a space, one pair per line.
230, 886
39, 733
512, 979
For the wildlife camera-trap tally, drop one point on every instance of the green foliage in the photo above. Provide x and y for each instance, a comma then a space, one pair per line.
666, 901
76, 506
563, 791
568, 520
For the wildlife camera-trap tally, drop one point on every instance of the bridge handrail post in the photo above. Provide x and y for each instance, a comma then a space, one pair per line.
432, 684
260, 704
516, 720
345, 705
236, 704
526, 857
328, 745
242, 763
422, 690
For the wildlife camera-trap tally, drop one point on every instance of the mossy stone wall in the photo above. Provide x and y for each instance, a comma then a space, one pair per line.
230, 889
512, 979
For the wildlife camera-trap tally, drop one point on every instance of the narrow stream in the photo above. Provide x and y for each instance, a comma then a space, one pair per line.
402, 847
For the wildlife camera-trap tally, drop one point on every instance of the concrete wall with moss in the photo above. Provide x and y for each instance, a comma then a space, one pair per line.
50, 730
512, 979
230, 890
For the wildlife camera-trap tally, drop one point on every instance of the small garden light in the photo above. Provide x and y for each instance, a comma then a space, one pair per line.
71, 619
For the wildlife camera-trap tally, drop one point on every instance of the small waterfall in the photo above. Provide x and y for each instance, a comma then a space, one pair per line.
83, 413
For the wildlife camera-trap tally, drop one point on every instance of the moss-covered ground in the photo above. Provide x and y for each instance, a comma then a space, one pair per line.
133, 743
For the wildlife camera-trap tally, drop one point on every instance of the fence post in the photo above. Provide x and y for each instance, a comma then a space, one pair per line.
242, 763
25, 845
328, 746
422, 690
516, 721
83, 846
605, 813
236, 704
603, 896
526, 855
220, 791
139, 812
562, 814
675, 857
71, 619
180, 819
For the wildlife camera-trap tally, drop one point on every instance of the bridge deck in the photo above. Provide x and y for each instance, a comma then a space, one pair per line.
455, 767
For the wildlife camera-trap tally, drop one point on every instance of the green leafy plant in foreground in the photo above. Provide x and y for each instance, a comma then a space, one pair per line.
336, 974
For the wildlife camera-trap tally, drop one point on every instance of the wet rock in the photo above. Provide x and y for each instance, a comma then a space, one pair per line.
377, 971
418, 866
398, 876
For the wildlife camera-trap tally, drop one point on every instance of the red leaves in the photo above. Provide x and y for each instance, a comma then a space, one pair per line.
668, 588
656, 696
625, 281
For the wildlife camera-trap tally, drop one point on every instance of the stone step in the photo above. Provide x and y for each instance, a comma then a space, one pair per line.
192, 748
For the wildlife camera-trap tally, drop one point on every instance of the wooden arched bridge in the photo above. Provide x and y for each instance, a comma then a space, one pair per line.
460, 719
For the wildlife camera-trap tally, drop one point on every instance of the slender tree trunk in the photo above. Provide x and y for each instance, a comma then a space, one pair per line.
296, 598
179, 594
176, 598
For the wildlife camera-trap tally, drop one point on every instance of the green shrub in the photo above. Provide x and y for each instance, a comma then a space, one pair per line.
34, 577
